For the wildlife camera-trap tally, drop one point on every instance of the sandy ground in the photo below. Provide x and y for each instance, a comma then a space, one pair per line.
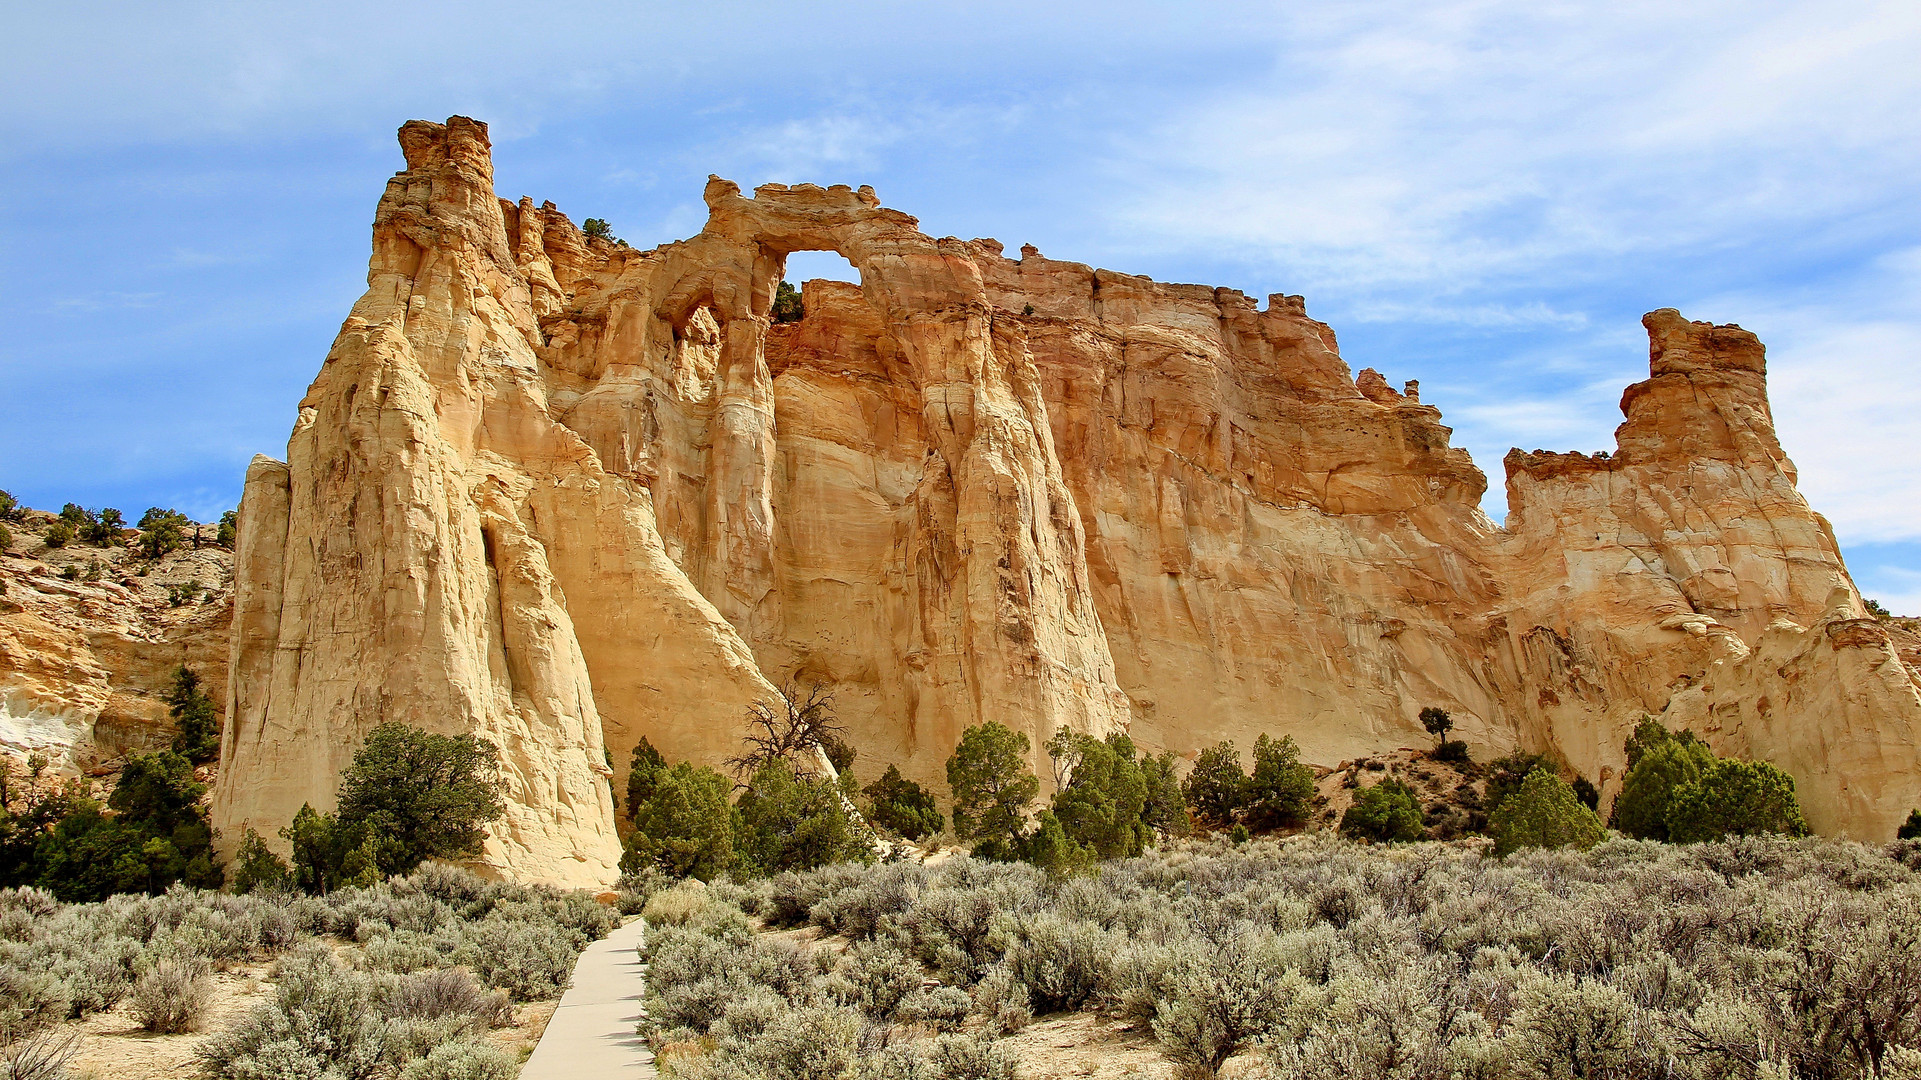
1073, 1045
112, 1046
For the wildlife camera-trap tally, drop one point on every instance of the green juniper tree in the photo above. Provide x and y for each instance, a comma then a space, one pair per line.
1544, 812
255, 866
685, 826
902, 806
1385, 813
643, 772
1101, 805
992, 786
1166, 808
788, 821
162, 531
1660, 762
1281, 791
787, 304
1735, 798
419, 796
196, 725
1216, 789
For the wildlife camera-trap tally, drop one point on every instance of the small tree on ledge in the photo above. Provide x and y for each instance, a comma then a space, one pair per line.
787, 305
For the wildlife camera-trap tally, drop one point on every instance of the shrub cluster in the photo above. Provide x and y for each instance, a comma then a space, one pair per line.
724, 1004
1313, 957
1677, 789
686, 825
441, 955
410, 795
152, 832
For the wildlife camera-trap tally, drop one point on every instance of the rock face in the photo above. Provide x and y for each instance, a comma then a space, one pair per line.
85, 662
565, 493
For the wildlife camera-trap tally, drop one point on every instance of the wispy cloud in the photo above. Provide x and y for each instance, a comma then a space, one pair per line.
103, 301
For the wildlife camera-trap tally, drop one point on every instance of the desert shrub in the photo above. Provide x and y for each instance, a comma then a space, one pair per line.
228, 531
30, 1000
40, 1055
1384, 813
170, 997
444, 993
1062, 962
902, 806
875, 979
1544, 813
992, 786
942, 1008
462, 1059
1324, 957
1452, 750
970, 1057
58, 535
322, 1023
1216, 789
531, 960
1212, 1001
1003, 998
1564, 1027
810, 1043
676, 905
1911, 828
6, 541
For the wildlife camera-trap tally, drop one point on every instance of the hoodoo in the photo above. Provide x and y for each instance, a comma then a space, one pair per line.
564, 493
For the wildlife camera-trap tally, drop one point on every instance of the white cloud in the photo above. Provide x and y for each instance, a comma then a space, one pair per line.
1458, 143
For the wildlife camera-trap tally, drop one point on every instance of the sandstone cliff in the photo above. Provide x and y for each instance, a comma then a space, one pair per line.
85, 660
565, 493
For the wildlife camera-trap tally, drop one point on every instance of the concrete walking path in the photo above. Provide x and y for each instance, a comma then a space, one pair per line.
592, 1036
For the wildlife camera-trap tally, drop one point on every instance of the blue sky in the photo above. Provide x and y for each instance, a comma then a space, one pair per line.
1484, 196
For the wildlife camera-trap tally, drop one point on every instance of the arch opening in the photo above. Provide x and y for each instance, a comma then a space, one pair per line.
805, 266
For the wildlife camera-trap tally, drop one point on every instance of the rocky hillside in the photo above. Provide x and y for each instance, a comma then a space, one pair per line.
565, 493
91, 635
